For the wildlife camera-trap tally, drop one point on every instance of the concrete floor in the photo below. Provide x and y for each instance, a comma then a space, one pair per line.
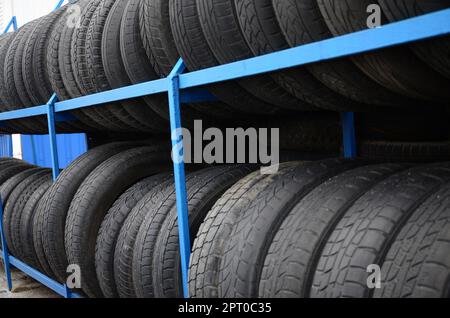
23, 286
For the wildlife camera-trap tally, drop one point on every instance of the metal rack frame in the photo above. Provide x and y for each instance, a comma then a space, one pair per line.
183, 88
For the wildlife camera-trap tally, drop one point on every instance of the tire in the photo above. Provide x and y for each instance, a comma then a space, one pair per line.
250, 238
95, 197
5, 42
136, 63
222, 31
124, 249
110, 229
417, 264
10, 212
213, 233
432, 52
19, 220
65, 62
27, 222
156, 257
193, 48
292, 257
11, 169
368, 229
80, 68
97, 80
55, 69
301, 23
425, 152
116, 73
396, 68
60, 197
7, 187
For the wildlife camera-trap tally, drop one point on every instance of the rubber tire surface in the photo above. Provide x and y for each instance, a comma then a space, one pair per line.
369, 228
294, 251
95, 197
7, 187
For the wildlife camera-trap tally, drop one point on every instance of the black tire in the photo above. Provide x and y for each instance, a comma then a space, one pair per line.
292, 257
60, 197
301, 23
27, 222
97, 80
417, 264
55, 69
397, 69
196, 54
368, 229
156, 257
136, 63
110, 229
9, 170
7, 187
123, 253
116, 73
80, 68
19, 221
222, 31
433, 52
215, 230
405, 151
245, 251
5, 42
94, 198
10, 212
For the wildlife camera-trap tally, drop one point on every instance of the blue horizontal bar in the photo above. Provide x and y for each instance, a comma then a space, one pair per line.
406, 31
137, 90
43, 279
25, 112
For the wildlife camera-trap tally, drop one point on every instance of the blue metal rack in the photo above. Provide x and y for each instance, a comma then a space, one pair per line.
183, 88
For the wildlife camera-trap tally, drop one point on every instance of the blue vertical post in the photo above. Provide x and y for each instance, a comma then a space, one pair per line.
5, 250
349, 134
58, 5
52, 135
179, 172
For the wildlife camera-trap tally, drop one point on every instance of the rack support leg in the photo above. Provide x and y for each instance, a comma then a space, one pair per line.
5, 251
179, 172
52, 135
349, 134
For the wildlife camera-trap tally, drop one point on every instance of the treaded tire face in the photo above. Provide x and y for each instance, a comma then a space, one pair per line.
369, 228
294, 251
60, 196
301, 23
94, 198
418, 264
7, 187
222, 31
397, 68
110, 230
433, 52
250, 238
196, 54
156, 257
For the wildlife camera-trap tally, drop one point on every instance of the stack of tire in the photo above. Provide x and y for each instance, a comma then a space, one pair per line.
95, 45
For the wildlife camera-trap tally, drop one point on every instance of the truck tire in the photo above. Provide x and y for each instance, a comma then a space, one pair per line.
417, 264
94, 198
156, 257
369, 228
245, 251
296, 247
7, 187
60, 197
396, 68
110, 230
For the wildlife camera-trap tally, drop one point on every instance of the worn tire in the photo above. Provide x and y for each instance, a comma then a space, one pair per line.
368, 229
110, 230
292, 257
94, 198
